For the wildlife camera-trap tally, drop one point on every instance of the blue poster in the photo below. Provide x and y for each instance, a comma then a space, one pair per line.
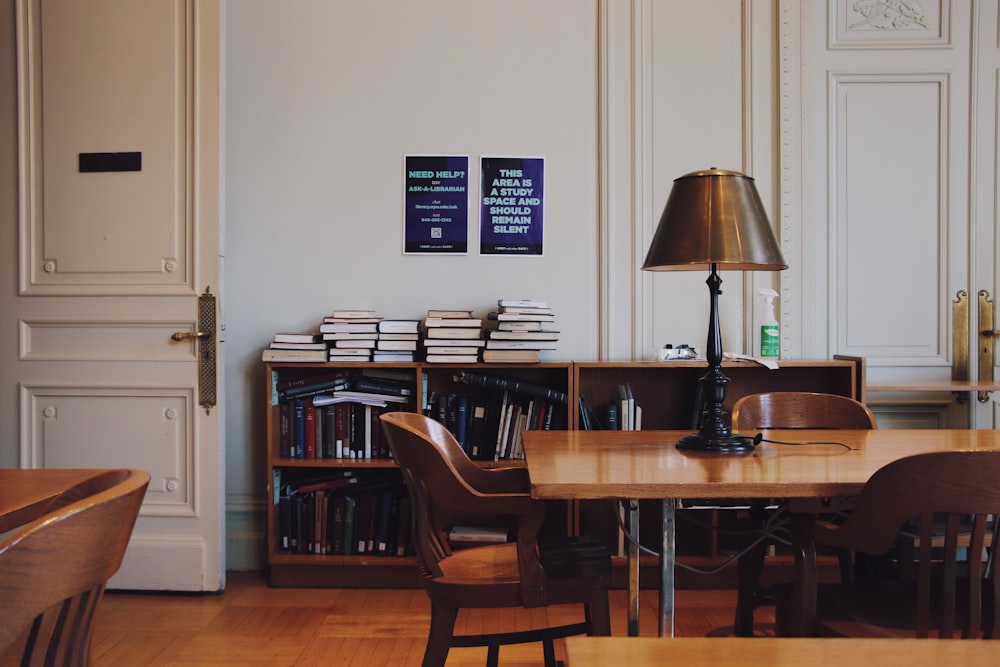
510, 212
436, 204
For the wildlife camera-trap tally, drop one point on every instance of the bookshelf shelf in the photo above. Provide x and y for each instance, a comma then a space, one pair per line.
666, 391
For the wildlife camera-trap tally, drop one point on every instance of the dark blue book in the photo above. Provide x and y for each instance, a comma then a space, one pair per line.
462, 421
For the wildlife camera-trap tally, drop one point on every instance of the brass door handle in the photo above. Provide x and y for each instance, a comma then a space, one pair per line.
206, 352
184, 335
987, 341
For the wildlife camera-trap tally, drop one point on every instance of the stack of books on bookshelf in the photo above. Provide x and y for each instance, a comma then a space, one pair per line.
452, 336
308, 347
350, 334
335, 415
519, 330
397, 340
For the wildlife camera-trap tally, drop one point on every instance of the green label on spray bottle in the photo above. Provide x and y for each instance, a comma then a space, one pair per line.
769, 341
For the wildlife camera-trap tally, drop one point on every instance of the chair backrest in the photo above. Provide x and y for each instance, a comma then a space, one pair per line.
800, 409
53, 570
441, 478
954, 492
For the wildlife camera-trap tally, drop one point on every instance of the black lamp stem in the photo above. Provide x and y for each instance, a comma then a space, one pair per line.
715, 434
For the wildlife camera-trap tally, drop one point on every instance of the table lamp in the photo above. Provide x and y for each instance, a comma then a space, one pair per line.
714, 220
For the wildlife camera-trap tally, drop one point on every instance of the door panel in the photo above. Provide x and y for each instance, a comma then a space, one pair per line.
112, 262
896, 114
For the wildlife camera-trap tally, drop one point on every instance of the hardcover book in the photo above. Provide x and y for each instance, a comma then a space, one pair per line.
399, 326
295, 338
349, 327
519, 317
353, 313
455, 332
510, 356
438, 312
453, 322
292, 355
522, 303
452, 358
454, 342
494, 344
497, 334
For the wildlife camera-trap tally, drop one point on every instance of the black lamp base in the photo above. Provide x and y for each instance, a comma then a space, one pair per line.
727, 443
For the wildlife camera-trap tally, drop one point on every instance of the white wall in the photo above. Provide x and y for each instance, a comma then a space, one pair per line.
323, 99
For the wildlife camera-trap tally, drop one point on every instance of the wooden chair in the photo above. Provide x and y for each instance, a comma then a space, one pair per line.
53, 570
955, 496
442, 480
786, 410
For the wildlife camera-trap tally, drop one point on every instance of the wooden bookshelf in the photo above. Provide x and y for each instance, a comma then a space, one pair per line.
428, 379
666, 391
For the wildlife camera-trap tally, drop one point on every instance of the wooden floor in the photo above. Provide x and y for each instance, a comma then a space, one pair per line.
252, 624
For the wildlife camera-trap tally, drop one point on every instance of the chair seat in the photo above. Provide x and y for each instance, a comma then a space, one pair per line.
492, 564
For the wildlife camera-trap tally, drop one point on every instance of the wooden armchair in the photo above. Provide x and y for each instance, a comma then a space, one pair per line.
441, 479
955, 495
786, 410
53, 570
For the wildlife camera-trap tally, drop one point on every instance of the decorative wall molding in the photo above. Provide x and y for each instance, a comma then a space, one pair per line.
889, 24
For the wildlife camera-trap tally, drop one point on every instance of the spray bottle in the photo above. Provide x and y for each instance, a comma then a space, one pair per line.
770, 339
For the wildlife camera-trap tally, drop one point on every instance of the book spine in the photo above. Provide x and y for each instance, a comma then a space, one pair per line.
310, 430
299, 431
285, 429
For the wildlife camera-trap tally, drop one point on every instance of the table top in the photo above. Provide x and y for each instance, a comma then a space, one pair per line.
646, 464
25, 493
774, 652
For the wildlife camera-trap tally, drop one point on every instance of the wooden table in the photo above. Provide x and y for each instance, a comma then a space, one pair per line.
633, 465
775, 652
24, 493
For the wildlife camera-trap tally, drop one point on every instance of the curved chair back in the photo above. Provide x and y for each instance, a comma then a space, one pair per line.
800, 409
955, 496
53, 571
442, 480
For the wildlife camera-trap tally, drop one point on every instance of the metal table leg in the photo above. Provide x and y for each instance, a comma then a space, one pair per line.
633, 568
667, 558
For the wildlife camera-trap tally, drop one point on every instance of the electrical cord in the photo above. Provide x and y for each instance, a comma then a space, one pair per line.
759, 438
773, 529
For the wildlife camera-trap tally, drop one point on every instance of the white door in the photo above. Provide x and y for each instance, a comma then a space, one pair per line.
898, 175
118, 243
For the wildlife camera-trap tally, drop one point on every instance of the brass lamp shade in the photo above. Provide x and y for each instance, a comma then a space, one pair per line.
714, 220
714, 217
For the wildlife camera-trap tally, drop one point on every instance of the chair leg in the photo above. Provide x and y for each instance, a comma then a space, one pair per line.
439, 638
598, 613
493, 654
549, 651
748, 568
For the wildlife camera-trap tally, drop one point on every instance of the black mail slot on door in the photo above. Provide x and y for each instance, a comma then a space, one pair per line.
94, 162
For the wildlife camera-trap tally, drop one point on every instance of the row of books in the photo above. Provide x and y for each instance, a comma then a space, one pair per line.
345, 515
623, 414
517, 331
490, 426
335, 415
348, 430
